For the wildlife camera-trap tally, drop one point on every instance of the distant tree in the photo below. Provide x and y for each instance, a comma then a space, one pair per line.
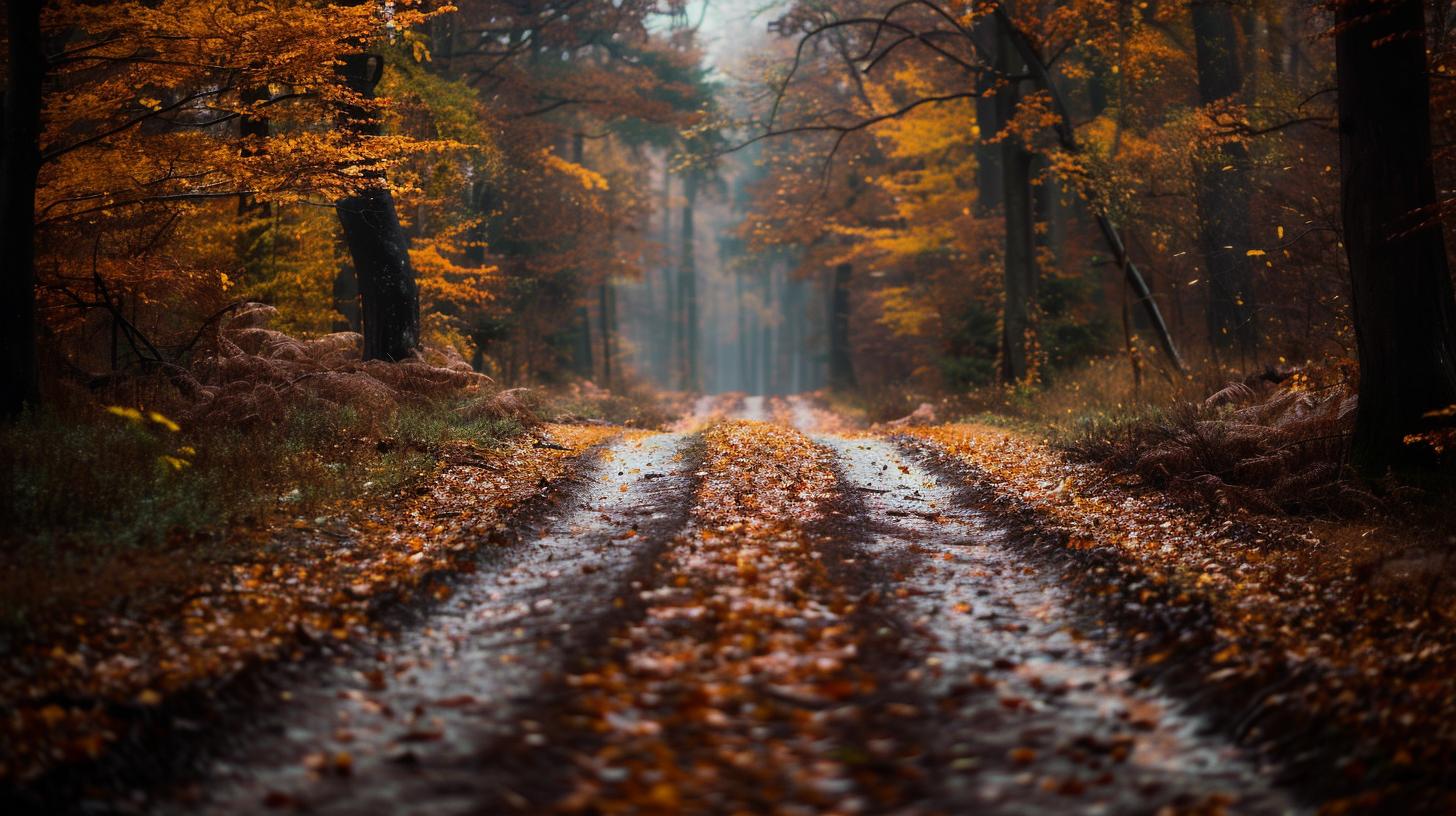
1222, 186
1405, 314
1018, 254
841, 361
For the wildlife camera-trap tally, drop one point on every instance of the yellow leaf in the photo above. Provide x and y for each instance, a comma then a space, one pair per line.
1254, 253
125, 413
163, 421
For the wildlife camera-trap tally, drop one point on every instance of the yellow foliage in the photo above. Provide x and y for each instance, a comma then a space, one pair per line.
905, 313
589, 179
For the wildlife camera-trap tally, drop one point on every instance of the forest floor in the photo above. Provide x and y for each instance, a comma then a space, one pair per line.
761, 610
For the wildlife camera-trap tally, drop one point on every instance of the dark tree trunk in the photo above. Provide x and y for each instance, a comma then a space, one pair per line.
389, 298
346, 299
1019, 259
607, 304
688, 288
1049, 210
481, 203
583, 357
988, 156
1405, 317
745, 365
19, 167
841, 362
1096, 92
988, 122
253, 215
668, 349
1223, 197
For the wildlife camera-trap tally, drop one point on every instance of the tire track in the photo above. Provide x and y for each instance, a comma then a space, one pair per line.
1036, 715
404, 727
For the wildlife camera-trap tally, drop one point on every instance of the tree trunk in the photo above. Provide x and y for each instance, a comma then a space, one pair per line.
253, 215
1405, 316
389, 298
346, 300
744, 355
1019, 259
583, 357
841, 362
1068, 139
1223, 197
667, 349
688, 288
607, 298
988, 156
1049, 210
19, 167
481, 202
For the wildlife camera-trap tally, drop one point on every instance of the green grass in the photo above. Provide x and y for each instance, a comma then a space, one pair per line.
93, 515
108, 482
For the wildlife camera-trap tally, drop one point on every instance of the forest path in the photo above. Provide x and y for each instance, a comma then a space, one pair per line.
745, 618
399, 728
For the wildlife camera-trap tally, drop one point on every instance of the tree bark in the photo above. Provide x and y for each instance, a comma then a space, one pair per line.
1019, 258
841, 362
19, 168
389, 297
1405, 315
1223, 197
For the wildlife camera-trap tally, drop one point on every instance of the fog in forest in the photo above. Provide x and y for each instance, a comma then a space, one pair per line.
720, 318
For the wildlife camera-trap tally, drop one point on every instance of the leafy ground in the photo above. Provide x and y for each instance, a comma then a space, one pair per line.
124, 637
1329, 645
781, 614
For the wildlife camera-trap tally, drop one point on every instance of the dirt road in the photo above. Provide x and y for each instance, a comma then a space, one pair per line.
747, 616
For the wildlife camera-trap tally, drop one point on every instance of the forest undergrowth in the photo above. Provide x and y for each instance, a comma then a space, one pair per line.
171, 532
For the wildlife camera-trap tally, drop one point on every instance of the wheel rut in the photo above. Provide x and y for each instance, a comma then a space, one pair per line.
407, 725
1038, 713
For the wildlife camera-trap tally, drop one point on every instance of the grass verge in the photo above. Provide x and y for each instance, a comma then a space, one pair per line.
333, 524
